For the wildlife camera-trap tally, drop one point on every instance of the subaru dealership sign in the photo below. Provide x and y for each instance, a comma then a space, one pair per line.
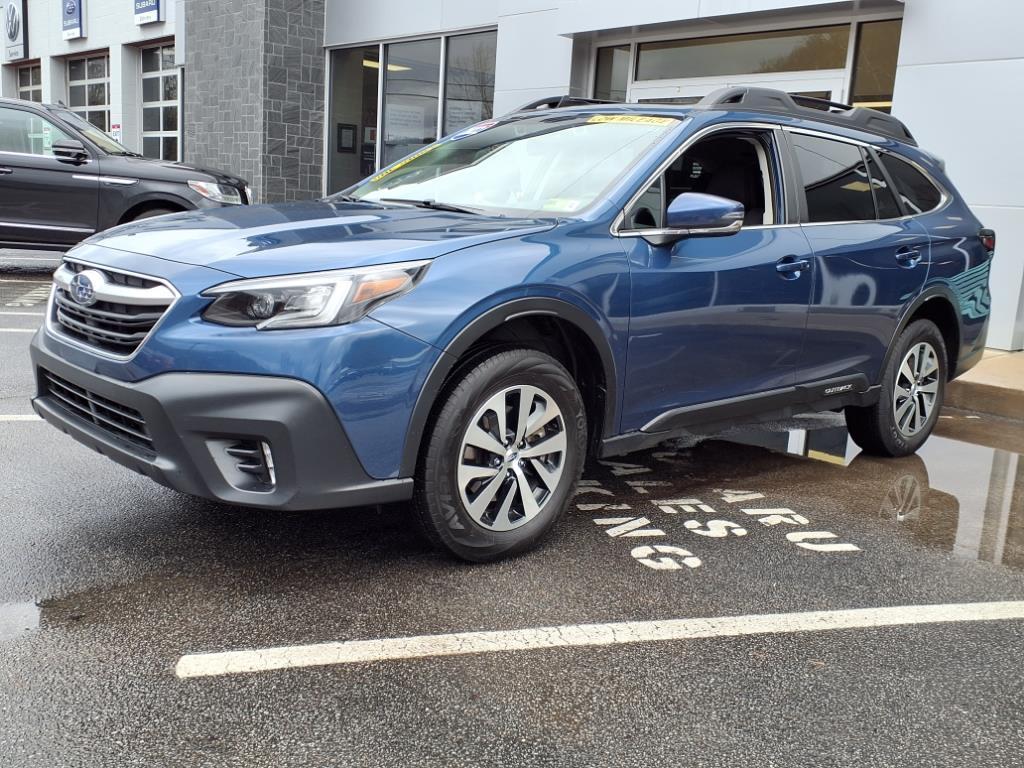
148, 11
72, 13
15, 30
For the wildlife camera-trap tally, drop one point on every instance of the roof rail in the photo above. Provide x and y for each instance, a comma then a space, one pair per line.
809, 108
554, 102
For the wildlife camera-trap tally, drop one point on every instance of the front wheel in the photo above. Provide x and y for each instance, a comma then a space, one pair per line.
501, 463
912, 391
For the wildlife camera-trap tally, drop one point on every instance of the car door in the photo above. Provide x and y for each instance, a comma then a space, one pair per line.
717, 323
43, 199
870, 261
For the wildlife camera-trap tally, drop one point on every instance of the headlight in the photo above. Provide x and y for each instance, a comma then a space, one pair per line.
219, 193
312, 299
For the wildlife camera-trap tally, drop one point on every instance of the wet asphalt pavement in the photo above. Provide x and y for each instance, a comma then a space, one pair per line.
107, 580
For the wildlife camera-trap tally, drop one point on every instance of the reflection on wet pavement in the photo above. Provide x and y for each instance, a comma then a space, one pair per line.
962, 492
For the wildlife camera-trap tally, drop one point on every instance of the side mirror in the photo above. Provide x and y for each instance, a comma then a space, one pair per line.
71, 150
702, 214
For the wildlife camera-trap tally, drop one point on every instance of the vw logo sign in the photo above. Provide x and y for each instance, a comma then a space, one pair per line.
13, 22
70, 7
81, 289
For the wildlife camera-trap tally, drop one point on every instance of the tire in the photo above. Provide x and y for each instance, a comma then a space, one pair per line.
151, 212
468, 498
894, 426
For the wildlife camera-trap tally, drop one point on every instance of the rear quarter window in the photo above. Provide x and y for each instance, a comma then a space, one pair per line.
918, 194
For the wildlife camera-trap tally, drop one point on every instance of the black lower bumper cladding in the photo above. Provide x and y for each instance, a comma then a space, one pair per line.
191, 419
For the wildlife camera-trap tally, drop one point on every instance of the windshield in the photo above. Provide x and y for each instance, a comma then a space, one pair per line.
556, 164
94, 134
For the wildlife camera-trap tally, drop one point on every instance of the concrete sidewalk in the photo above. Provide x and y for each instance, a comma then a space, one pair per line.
24, 263
994, 386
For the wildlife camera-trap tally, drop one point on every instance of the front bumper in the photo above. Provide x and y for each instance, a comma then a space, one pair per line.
189, 420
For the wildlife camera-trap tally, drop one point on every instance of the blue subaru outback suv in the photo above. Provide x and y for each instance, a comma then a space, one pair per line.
465, 327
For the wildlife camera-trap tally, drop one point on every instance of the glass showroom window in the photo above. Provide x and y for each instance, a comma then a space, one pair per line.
403, 99
612, 73
89, 89
874, 63
792, 50
161, 128
30, 82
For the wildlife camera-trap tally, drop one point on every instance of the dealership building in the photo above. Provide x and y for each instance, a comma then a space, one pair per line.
305, 97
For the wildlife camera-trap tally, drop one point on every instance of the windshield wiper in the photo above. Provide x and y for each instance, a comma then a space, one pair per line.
124, 153
432, 204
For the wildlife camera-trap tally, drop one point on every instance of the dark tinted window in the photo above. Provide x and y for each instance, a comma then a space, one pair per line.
885, 198
918, 194
835, 179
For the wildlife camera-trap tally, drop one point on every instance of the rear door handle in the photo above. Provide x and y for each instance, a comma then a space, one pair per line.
790, 266
908, 256
4, 171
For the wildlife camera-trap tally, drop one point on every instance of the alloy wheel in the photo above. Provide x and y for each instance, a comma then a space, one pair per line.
511, 457
917, 388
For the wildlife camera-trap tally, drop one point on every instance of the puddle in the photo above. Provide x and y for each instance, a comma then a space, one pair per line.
16, 619
962, 492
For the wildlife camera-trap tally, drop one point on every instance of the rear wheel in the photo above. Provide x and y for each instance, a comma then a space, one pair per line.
504, 455
912, 391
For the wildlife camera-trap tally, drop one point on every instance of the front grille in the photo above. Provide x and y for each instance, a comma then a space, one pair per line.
120, 421
126, 309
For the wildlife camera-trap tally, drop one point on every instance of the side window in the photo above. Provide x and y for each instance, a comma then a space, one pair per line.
737, 166
885, 199
917, 193
25, 132
835, 179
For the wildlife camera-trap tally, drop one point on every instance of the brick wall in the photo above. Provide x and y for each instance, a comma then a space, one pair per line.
254, 92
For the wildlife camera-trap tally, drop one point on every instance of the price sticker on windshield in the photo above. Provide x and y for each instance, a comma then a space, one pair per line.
634, 119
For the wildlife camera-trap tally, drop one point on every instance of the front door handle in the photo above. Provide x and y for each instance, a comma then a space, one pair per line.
4, 171
790, 267
908, 256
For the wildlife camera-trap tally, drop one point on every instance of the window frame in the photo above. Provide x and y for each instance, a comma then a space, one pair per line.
161, 103
784, 202
23, 89
84, 110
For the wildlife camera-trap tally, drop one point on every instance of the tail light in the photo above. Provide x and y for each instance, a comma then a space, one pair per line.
988, 239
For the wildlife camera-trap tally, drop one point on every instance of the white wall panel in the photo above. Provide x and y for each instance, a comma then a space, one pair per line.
955, 64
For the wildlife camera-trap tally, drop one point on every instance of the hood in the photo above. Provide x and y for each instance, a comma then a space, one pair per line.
265, 240
163, 170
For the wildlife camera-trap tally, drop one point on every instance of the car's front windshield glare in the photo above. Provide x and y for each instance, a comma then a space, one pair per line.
94, 134
551, 165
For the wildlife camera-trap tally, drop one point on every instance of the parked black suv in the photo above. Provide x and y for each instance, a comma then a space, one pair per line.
62, 178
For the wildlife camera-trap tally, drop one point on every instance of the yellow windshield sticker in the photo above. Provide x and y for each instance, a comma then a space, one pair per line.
402, 163
635, 119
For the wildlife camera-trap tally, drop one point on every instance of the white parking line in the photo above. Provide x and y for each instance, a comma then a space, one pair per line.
359, 651
25, 314
29, 258
18, 330
20, 417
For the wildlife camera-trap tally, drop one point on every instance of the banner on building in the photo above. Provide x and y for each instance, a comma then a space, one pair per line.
15, 30
72, 19
148, 11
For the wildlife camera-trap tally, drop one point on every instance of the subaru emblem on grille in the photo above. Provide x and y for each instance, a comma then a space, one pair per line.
82, 290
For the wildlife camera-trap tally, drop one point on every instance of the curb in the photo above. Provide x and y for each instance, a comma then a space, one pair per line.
986, 398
